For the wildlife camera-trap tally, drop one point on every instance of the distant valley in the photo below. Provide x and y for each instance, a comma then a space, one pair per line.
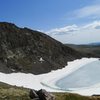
90, 50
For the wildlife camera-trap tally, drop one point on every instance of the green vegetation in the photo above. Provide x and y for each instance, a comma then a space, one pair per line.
8, 92
70, 96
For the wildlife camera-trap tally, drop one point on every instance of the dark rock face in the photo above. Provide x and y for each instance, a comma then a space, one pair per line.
33, 94
25, 50
41, 95
44, 95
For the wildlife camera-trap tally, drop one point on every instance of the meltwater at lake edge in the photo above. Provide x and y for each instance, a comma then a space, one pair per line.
84, 77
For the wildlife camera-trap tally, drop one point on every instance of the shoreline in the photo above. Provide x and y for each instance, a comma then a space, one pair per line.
60, 73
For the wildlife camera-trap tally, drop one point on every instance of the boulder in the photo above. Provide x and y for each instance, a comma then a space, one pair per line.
33, 95
44, 95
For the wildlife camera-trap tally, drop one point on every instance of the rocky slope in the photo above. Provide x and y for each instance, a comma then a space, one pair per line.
26, 50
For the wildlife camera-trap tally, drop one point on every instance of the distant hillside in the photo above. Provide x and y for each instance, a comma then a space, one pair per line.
90, 50
29, 51
95, 44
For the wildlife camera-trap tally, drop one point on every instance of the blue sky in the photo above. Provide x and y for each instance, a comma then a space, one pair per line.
57, 18
41, 14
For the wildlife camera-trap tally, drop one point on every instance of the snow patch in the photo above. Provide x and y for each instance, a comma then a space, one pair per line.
41, 60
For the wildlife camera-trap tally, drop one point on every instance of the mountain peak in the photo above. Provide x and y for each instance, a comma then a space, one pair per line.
21, 50
7, 25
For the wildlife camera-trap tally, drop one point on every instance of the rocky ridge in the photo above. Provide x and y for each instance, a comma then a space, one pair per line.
30, 51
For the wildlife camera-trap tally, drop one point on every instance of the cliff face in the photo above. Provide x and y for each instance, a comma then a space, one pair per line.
26, 50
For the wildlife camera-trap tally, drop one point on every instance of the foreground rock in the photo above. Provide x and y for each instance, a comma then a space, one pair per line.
41, 95
29, 51
33, 94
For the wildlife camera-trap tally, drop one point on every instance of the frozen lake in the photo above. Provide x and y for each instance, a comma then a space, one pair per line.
86, 76
79, 73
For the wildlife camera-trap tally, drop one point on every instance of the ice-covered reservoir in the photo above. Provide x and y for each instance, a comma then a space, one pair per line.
84, 77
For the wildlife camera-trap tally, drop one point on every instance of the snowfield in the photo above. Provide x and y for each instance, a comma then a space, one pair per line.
47, 81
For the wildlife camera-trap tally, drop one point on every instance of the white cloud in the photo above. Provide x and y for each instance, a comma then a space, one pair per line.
88, 33
95, 24
63, 30
88, 11
80, 34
